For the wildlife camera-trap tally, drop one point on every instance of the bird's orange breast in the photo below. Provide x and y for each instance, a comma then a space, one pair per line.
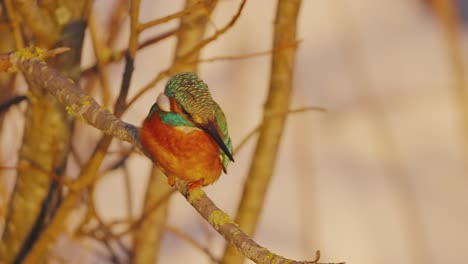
191, 156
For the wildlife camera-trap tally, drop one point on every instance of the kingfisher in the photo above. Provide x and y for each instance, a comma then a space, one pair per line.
186, 133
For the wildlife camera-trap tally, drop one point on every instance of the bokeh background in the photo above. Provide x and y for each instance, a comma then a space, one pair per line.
380, 177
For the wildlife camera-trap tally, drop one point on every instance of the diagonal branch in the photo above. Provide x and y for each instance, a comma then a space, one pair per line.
81, 105
185, 12
76, 101
230, 230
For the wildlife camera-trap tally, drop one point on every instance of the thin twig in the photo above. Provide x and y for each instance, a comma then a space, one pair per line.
254, 131
217, 34
165, 19
118, 55
120, 104
99, 53
244, 56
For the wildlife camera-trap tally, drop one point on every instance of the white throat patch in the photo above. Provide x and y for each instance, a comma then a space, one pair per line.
163, 103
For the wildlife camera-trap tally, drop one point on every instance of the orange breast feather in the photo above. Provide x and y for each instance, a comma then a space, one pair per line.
192, 156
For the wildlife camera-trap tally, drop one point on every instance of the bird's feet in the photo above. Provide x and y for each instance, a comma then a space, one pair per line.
191, 185
171, 180
195, 184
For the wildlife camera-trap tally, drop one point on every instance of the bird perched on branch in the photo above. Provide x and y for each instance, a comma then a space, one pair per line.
186, 132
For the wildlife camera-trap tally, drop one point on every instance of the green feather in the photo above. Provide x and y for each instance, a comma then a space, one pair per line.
174, 119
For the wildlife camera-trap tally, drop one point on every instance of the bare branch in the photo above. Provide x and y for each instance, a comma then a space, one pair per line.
165, 19
254, 131
230, 230
271, 130
75, 100
215, 36
118, 55
245, 56
84, 107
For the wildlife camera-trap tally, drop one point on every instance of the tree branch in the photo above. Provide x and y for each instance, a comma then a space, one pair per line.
230, 230
185, 12
76, 101
271, 130
81, 105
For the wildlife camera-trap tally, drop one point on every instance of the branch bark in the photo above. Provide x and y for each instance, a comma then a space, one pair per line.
263, 163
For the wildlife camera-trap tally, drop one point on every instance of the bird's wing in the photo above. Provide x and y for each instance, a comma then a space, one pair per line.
222, 124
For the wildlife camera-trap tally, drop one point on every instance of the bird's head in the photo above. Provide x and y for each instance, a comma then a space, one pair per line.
188, 95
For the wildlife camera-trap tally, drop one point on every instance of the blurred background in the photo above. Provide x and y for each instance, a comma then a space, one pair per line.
380, 177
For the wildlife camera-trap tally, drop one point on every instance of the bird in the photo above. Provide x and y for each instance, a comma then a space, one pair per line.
186, 133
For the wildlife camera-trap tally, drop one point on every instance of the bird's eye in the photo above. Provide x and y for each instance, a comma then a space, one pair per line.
163, 103
186, 113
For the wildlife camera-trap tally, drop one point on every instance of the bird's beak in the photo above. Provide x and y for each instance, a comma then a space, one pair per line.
211, 129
